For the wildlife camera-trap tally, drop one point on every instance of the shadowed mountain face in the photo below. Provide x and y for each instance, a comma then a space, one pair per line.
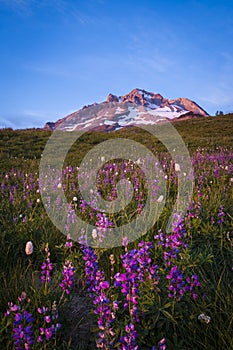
136, 108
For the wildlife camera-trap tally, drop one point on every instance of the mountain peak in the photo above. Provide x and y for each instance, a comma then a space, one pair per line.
120, 111
154, 100
112, 98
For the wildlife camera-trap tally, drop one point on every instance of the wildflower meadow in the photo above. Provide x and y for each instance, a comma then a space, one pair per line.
170, 288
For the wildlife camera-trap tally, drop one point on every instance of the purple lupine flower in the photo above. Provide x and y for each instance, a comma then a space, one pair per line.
125, 241
159, 237
161, 345
22, 324
176, 283
69, 242
46, 268
45, 333
128, 341
83, 205
68, 277
102, 224
12, 308
22, 331
97, 288
71, 215
48, 329
23, 297
42, 310
221, 215
54, 311
191, 283
138, 266
173, 242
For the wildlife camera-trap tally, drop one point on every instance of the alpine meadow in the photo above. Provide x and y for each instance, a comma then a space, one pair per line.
166, 289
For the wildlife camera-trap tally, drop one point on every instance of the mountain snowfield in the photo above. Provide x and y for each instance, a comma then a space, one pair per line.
138, 107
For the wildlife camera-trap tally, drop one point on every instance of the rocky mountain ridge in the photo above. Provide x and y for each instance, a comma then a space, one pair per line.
138, 107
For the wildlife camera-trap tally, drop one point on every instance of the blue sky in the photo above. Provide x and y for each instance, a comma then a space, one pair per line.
58, 55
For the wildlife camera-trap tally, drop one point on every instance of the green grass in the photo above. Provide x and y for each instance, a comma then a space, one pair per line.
23, 148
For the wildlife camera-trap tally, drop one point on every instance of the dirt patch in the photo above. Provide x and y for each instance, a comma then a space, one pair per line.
79, 321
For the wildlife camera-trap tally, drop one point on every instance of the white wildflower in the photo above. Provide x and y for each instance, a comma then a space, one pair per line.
177, 167
204, 318
160, 199
29, 248
94, 233
75, 199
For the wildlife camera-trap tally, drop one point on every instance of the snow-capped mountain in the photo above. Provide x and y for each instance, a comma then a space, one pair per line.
138, 107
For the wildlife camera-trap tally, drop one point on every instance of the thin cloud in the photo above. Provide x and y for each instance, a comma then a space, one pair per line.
5, 123
46, 69
67, 10
21, 7
217, 98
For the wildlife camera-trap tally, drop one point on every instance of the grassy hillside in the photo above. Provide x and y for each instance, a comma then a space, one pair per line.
23, 148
